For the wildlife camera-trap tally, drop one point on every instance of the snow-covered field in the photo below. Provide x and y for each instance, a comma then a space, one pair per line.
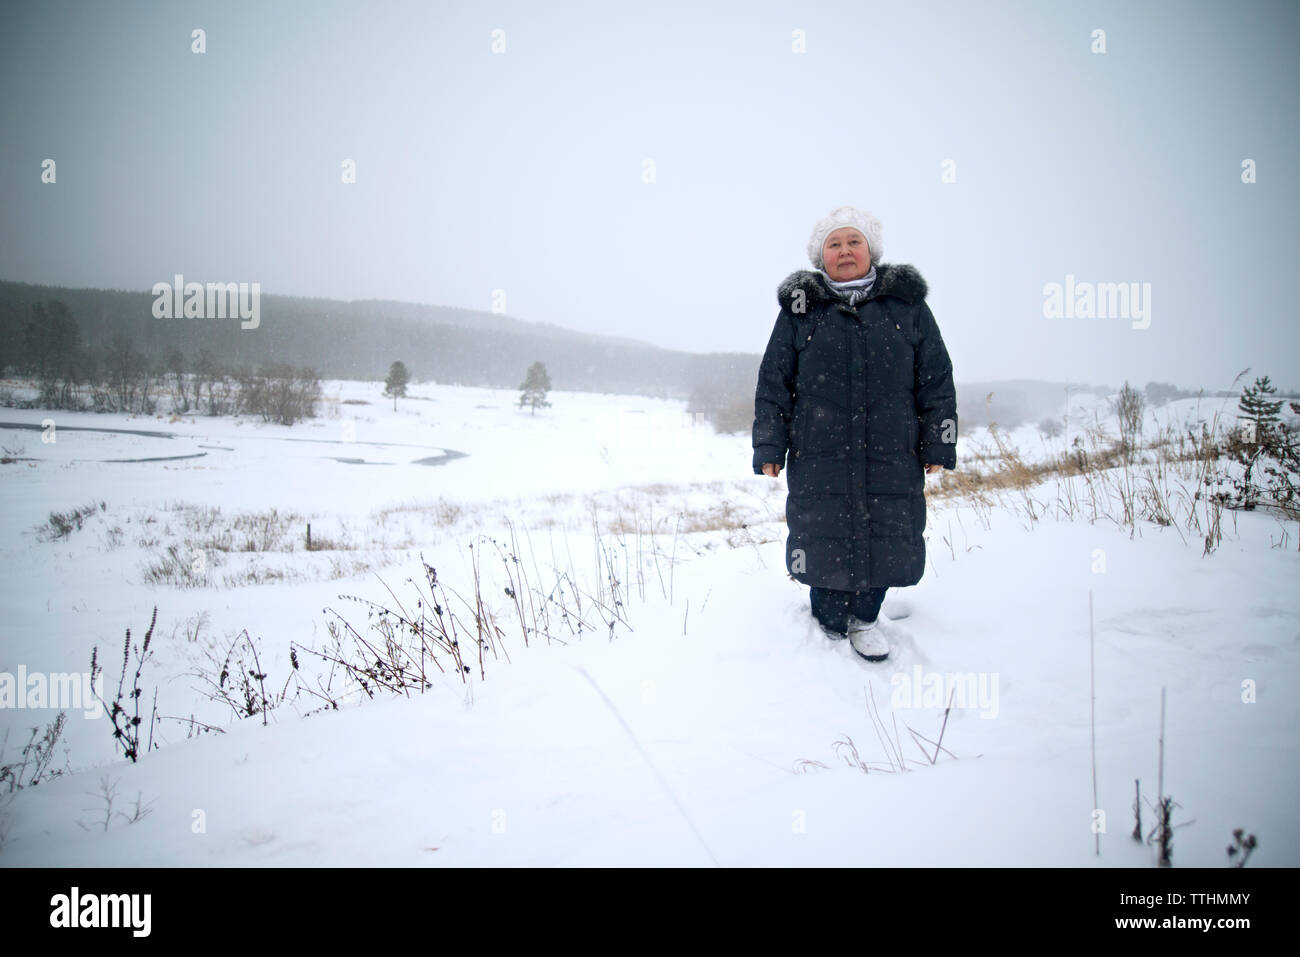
715, 728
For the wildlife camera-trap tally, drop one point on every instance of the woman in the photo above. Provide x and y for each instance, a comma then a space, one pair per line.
856, 385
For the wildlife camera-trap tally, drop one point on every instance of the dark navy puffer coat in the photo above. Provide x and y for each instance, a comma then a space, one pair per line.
861, 398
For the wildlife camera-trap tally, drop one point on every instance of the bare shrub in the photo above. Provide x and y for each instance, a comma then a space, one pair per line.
124, 712
1129, 406
33, 762
62, 524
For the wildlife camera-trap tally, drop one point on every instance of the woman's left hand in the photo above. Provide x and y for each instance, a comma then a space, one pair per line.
930, 469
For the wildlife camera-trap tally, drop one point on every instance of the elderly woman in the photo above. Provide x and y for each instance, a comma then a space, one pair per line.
856, 385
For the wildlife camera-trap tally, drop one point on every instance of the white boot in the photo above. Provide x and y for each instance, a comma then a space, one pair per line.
868, 640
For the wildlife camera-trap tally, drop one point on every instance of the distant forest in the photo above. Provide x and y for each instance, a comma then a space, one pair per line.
360, 339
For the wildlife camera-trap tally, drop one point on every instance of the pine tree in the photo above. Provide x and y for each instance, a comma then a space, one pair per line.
1256, 407
1282, 468
395, 384
1268, 451
536, 384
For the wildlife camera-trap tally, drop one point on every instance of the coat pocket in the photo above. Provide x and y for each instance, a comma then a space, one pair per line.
825, 428
817, 478
893, 516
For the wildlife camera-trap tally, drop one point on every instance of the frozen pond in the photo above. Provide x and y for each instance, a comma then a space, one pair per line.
442, 458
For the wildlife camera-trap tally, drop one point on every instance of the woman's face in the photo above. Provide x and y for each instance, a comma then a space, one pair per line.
846, 254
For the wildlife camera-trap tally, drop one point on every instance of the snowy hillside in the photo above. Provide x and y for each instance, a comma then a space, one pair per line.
713, 723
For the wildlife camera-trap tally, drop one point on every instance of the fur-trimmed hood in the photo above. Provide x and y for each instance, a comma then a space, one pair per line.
900, 280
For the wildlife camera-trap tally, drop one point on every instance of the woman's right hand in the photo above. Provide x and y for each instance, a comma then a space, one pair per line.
772, 469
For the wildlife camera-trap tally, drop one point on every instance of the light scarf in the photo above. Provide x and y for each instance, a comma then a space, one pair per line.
852, 291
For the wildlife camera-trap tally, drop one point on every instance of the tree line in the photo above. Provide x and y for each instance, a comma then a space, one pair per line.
72, 374
358, 340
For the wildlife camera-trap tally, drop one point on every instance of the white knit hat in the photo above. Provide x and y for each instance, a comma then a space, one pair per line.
859, 219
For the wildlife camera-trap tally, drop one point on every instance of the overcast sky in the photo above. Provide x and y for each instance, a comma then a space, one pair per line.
524, 171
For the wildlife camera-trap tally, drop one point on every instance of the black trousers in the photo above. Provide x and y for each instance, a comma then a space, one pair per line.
832, 608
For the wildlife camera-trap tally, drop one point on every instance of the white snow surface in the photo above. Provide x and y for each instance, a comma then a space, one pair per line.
706, 733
